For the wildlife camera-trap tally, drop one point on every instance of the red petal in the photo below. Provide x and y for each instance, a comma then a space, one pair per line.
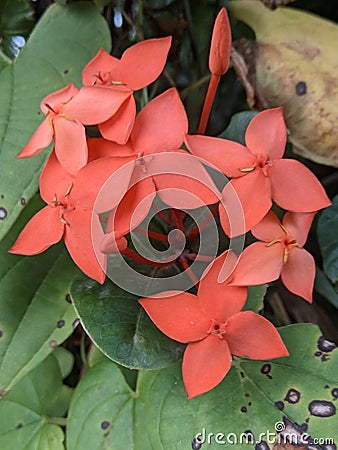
81, 233
103, 181
70, 144
43, 230
41, 139
252, 336
298, 225
205, 364
266, 133
96, 104
178, 316
181, 180
113, 243
54, 180
295, 188
299, 273
219, 56
268, 228
225, 301
142, 63
101, 148
101, 63
246, 199
135, 205
161, 125
118, 127
258, 264
228, 156
57, 99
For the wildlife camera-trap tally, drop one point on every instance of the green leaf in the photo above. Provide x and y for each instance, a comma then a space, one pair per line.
106, 414
237, 126
64, 40
255, 298
328, 239
23, 421
16, 18
325, 288
120, 328
34, 314
249, 397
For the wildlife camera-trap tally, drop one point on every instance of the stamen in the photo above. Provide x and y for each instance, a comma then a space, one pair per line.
274, 241
63, 220
69, 190
247, 169
286, 255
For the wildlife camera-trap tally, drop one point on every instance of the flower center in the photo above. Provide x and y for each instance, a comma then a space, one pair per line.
264, 163
288, 241
218, 329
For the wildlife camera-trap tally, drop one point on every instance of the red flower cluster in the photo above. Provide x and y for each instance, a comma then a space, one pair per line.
143, 152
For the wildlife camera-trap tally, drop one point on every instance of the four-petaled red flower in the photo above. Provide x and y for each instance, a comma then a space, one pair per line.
67, 111
280, 253
214, 327
259, 174
69, 213
139, 66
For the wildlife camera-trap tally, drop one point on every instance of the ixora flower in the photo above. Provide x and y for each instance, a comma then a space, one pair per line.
69, 213
214, 327
280, 253
259, 174
67, 111
160, 166
139, 66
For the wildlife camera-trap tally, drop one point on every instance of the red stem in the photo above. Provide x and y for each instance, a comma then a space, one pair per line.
208, 101
138, 258
188, 269
152, 234
195, 231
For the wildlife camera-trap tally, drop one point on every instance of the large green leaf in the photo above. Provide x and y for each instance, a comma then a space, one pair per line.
120, 328
35, 315
297, 393
16, 19
64, 40
328, 239
24, 424
105, 414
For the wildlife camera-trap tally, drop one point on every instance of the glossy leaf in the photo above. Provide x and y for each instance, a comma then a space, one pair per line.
64, 40
23, 421
120, 328
255, 397
255, 298
237, 126
105, 413
328, 239
35, 315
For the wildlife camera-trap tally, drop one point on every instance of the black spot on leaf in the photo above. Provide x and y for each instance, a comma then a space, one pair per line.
244, 409
301, 88
68, 298
105, 424
322, 408
249, 437
242, 374
266, 369
23, 201
106, 434
324, 345
292, 396
53, 344
318, 354
334, 393
3, 213
19, 425
60, 323
1, 334
65, 71
279, 405
196, 444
